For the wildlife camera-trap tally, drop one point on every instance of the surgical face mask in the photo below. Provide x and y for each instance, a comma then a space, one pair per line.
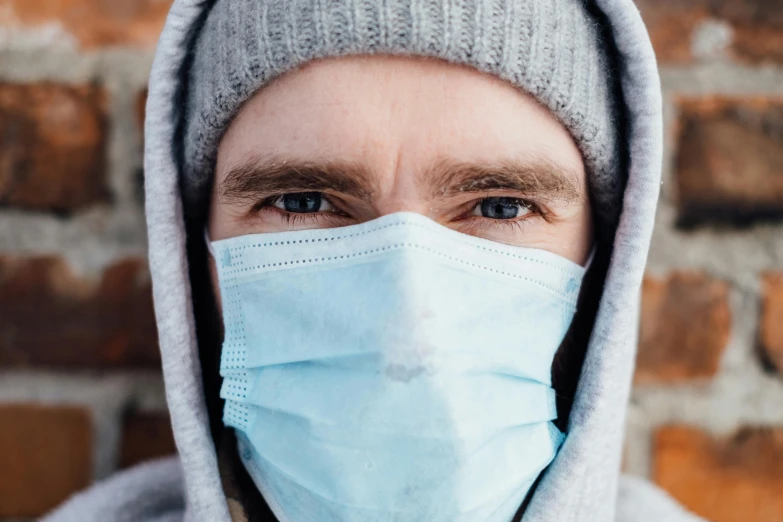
394, 370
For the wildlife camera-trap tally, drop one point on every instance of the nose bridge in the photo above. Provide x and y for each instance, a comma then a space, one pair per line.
414, 348
407, 280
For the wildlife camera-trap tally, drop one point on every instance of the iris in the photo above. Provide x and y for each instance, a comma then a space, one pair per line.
302, 202
500, 208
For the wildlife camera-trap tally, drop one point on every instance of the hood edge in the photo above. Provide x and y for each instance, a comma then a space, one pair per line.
169, 269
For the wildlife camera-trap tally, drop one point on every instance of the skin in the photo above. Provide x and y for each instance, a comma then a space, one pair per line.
370, 136
373, 135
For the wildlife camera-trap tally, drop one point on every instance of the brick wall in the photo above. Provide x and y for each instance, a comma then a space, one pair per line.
77, 338
706, 417
80, 387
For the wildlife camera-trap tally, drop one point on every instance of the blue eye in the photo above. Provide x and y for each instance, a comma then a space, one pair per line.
501, 208
302, 202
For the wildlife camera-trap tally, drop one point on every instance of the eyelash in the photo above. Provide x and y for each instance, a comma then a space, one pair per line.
295, 218
291, 218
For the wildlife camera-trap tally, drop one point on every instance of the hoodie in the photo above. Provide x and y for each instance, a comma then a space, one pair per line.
582, 484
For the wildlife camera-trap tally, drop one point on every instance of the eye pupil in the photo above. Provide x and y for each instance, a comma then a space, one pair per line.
500, 208
302, 202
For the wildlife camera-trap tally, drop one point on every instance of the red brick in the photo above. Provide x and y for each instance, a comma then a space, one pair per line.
145, 436
685, 325
772, 320
733, 479
51, 318
93, 23
728, 161
45, 456
671, 24
52, 146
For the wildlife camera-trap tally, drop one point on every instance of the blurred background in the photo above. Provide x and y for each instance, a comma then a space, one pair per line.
80, 388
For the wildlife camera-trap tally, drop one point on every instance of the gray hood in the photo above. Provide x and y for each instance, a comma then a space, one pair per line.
582, 484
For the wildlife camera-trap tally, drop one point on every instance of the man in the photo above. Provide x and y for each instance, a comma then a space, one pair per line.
396, 249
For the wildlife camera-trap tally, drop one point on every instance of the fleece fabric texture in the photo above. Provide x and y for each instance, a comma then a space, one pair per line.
552, 49
583, 483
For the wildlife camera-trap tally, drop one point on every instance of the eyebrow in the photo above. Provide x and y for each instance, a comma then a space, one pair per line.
538, 178
263, 177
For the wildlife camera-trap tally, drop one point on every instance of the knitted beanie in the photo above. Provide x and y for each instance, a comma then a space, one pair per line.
555, 50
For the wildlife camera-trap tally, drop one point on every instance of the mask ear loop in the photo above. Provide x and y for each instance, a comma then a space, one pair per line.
209, 244
590, 257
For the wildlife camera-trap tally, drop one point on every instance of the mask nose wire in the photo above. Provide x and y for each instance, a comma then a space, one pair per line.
212, 250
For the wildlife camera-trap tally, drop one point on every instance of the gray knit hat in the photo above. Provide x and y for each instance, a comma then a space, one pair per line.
553, 49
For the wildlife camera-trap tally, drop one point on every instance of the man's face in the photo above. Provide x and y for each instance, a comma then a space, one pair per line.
343, 141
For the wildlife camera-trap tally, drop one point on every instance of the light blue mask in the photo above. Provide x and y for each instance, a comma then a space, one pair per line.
394, 370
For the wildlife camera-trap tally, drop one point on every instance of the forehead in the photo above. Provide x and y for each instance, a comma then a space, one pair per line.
393, 114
